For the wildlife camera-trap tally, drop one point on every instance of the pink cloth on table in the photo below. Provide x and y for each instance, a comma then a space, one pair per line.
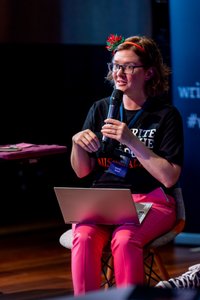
32, 151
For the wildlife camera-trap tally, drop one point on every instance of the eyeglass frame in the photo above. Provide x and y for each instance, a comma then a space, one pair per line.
123, 67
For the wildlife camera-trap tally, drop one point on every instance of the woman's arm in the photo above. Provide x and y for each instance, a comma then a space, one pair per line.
160, 168
83, 143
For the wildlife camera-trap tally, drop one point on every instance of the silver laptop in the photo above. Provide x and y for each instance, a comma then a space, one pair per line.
100, 206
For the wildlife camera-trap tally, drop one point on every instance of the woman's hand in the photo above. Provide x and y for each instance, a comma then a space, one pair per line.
117, 130
87, 140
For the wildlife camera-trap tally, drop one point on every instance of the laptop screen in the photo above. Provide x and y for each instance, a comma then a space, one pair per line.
97, 205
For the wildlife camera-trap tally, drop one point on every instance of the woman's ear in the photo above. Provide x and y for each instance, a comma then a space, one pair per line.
149, 73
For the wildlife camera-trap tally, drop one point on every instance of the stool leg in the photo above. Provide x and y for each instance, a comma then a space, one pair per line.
160, 265
154, 267
109, 273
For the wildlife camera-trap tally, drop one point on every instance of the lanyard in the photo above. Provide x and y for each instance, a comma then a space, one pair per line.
120, 167
134, 119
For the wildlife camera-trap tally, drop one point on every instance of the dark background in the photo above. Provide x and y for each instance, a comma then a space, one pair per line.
48, 82
51, 71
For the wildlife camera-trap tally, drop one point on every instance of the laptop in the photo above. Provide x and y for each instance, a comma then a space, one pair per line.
106, 206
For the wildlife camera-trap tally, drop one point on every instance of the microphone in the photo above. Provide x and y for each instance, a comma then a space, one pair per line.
115, 102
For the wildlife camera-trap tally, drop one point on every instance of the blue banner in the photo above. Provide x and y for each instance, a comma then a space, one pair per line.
185, 60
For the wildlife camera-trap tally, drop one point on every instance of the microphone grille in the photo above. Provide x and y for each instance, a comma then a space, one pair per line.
116, 97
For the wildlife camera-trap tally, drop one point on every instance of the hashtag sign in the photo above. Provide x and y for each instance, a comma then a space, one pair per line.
193, 121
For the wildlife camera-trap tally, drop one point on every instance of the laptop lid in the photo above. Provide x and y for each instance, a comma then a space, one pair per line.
99, 206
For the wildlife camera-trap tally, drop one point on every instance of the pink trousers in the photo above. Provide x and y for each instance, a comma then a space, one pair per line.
127, 242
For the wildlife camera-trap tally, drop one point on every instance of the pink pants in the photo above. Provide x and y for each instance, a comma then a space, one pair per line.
127, 242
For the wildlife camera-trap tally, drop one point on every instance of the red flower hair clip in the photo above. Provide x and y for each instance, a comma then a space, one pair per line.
113, 41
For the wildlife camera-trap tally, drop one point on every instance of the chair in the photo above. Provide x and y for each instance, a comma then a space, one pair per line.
152, 258
155, 269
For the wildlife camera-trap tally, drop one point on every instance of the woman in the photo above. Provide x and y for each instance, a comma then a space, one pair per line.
143, 151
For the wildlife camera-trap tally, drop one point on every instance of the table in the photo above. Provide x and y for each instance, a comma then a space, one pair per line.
28, 174
29, 151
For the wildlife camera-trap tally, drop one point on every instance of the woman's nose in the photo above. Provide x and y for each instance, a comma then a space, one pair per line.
120, 70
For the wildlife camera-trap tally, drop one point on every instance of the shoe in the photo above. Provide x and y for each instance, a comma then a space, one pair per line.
189, 279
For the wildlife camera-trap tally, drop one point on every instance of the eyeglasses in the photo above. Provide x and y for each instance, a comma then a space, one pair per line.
126, 68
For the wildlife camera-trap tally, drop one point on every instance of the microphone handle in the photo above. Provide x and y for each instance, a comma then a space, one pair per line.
116, 100
111, 115
111, 111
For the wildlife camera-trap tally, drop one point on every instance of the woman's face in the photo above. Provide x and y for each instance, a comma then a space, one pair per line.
131, 84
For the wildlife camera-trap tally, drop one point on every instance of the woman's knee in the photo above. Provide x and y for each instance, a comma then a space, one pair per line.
125, 241
81, 237
88, 236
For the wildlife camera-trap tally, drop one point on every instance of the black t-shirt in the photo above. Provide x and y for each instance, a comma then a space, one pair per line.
159, 127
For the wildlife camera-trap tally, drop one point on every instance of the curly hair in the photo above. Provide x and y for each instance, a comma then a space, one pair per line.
150, 57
